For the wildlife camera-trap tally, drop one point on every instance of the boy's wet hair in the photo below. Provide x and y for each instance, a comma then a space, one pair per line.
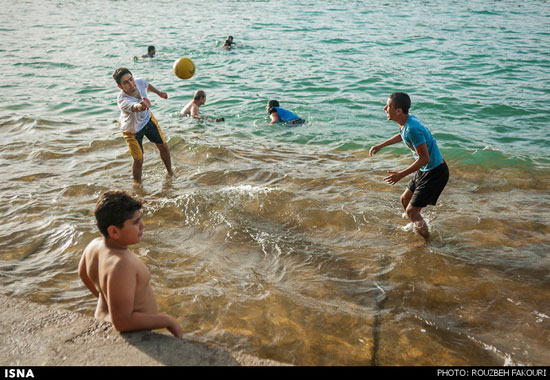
199, 94
401, 100
270, 106
119, 73
113, 208
273, 103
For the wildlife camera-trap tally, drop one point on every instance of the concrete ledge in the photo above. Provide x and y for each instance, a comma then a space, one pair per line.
38, 335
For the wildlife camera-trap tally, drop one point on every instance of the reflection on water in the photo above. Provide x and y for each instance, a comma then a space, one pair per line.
309, 263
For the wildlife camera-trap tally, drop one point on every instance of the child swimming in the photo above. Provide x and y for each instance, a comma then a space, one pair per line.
279, 114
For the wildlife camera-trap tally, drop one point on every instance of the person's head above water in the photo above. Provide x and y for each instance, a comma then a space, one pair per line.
199, 95
151, 51
228, 42
271, 104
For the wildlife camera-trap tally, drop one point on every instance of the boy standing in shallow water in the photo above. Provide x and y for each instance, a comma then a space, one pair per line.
115, 275
137, 121
431, 170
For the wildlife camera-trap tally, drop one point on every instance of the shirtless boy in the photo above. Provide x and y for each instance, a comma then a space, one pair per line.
115, 275
192, 108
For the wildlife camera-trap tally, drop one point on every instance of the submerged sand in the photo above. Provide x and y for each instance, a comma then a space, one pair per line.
38, 335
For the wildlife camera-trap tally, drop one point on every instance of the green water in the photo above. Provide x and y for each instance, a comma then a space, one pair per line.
282, 242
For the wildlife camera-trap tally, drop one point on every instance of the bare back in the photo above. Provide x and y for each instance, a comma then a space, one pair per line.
191, 109
109, 272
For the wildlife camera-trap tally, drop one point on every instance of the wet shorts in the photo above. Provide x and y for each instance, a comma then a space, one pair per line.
297, 121
427, 186
135, 140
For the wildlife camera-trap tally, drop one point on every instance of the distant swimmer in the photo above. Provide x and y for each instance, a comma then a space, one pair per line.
431, 170
136, 119
151, 51
192, 108
228, 43
115, 275
279, 114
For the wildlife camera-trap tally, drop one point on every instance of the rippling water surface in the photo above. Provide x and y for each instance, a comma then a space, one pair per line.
281, 242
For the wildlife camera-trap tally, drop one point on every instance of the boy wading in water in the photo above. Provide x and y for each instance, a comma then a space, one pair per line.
431, 170
137, 121
115, 275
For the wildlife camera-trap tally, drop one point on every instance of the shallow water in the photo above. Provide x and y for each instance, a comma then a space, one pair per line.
285, 242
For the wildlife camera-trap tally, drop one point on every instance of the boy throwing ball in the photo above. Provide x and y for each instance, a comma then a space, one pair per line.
137, 121
115, 275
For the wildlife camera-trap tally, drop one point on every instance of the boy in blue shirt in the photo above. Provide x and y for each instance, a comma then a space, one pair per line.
279, 114
431, 170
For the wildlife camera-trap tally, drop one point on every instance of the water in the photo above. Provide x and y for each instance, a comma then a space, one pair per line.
285, 243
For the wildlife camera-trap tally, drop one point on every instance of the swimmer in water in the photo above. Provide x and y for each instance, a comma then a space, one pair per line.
279, 114
192, 108
151, 51
228, 43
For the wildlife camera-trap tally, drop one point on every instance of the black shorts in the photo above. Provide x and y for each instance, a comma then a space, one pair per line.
427, 186
297, 121
135, 140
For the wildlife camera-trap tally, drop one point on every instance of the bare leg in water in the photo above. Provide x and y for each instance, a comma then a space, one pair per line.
413, 213
165, 157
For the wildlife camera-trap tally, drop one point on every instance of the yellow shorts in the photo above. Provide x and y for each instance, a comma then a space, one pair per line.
135, 140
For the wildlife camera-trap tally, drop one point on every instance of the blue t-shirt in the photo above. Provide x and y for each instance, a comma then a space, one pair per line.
286, 115
415, 133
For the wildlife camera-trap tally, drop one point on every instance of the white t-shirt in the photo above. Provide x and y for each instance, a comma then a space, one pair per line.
133, 121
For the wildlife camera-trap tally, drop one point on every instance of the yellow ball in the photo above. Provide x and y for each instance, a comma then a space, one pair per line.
184, 68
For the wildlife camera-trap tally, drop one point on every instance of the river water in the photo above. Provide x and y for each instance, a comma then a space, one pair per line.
285, 242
